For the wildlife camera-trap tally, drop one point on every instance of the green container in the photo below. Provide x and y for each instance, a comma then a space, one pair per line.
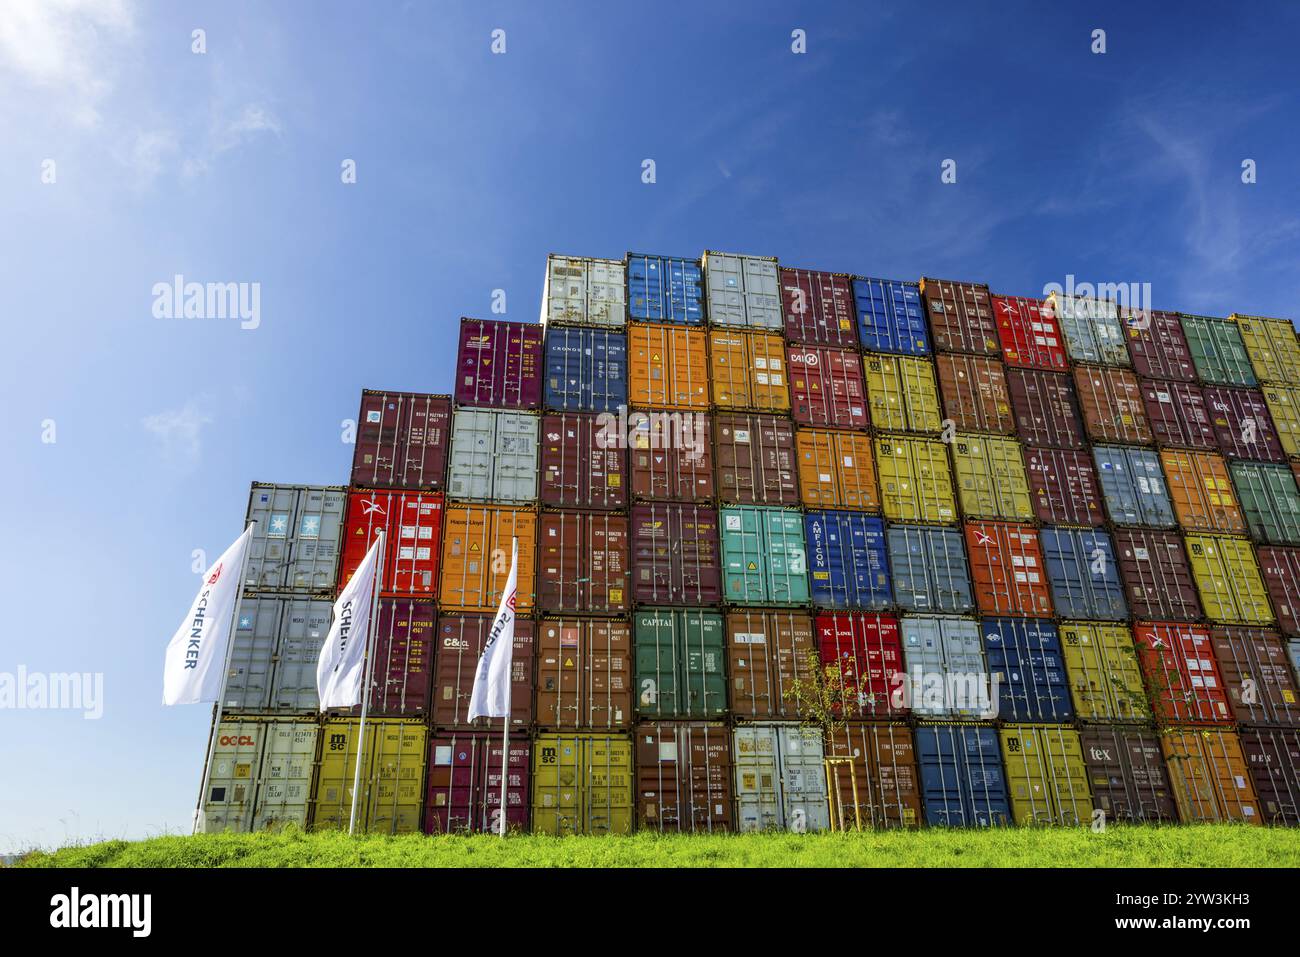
764, 555
679, 663
1270, 501
1218, 352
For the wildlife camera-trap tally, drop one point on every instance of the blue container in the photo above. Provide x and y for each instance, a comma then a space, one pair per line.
1133, 485
586, 370
1084, 575
962, 782
891, 317
929, 569
665, 289
1024, 655
846, 556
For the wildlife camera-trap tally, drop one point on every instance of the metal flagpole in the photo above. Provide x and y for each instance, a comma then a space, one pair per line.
505, 723
365, 688
225, 673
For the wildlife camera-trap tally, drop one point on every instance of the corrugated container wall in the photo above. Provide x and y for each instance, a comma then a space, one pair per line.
1157, 577
780, 778
464, 784
1063, 487
764, 557
1045, 409
961, 315
1217, 350
584, 292
1228, 578
261, 775
683, 776
928, 565
584, 674
1133, 486
1112, 406
901, 393
1272, 347
412, 523
1031, 337
1092, 330
393, 758
836, 470
672, 456
863, 655
1178, 414
1201, 490
974, 393
1157, 345
946, 667
679, 663
1101, 662
277, 644
1126, 770
743, 291
581, 464
891, 317
827, 387
675, 555
665, 289
767, 653
586, 370
1209, 776
493, 456
1270, 501
1047, 780
499, 365
584, 563
404, 649
818, 308
1007, 570
583, 784
1182, 677
915, 480
747, 371
1257, 675
1273, 755
874, 781
1084, 574
1281, 571
476, 557
962, 781
460, 640
1243, 426
402, 440
755, 459
847, 561
667, 367
991, 480
1025, 661
1284, 410
298, 538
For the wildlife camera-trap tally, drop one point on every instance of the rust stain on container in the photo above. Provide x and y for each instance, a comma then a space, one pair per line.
755, 459
1111, 401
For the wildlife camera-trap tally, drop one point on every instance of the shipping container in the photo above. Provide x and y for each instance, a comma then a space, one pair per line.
1027, 670
847, 562
1063, 487
581, 464
743, 290
582, 784
1158, 582
586, 370
974, 393
1126, 771
585, 565
476, 557
584, 292
1257, 675
665, 289
767, 653
1281, 570
1178, 414
1045, 409
1242, 424
780, 778
1157, 345
764, 555
873, 778
680, 669
499, 364
1270, 501
683, 777
464, 787
826, 387
675, 555
1091, 329
836, 470
1209, 775
584, 674
902, 393
494, 456
1271, 346
1031, 337
391, 796
1273, 756
261, 775
1133, 486
818, 308
754, 459
1111, 401
991, 480
862, 657
1105, 678
402, 440
403, 650
1201, 490
297, 541
1007, 569
412, 523
273, 656
962, 781
915, 479
947, 676
1047, 780
667, 367
1217, 350
961, 315
747, 370
1181, 675
460, 640
1084, 575
891, 317
928, 566
672, 456
1284, 412
1227, 576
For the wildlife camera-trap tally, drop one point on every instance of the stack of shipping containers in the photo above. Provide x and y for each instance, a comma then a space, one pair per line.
1042, 557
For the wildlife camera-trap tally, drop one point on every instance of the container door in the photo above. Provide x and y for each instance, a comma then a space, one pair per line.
232, 783
515, 455
285, 776
303, 626
473, 440
803, 780
758, 784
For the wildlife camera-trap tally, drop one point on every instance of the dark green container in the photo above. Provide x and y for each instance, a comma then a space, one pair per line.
1218, 353
1270, 501
680, 655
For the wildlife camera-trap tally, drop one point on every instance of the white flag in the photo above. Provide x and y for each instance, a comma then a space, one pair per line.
341, 668
197, 652
491, 697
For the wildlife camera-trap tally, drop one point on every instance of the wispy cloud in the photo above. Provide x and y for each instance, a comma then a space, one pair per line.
179, 432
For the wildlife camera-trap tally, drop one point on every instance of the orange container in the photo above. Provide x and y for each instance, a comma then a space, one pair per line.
1007, 569
1201, 489
747, 371
1209, 776
667, 367
476, 557
836, 470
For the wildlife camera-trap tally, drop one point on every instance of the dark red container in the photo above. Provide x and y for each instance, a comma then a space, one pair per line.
499, 364
974, 392
464, 784
683, 776
1063, 485
1273, 756
1031, 337
961, 316
583, 563
1281, 569
1257, 673
755, 459
404, 652
1045, 409
1231, 411
583, 463
826, 387
460, 643
675, 557
818, 308
664, 469
1181, 674
869, 652
412, 524
402, 440
1111, 402
1157, 345
1178, 415
1158, 581
1126, 771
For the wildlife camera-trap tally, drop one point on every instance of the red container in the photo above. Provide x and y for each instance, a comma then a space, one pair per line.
1181, 674
675, 557
1257, 673
1064, 487
683, 776
460, 643
412, 523
402, 440
1158, 581
1007, 570
826, 387
1240, 416
869, 653
582, 465
583, 563
818, 308
1178, 415
1111, 401
1157, 345
755, 459
499, 364
1281, 569
404, 652
974, 391
1045, 409
1273, 756
1031, 337
961, 316
667, 469
464, 786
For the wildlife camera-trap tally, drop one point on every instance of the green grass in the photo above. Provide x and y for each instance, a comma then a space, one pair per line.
1209, 845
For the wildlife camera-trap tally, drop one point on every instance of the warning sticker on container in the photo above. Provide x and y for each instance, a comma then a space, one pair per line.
733, 523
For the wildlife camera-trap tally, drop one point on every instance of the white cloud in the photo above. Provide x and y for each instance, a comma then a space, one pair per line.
179, 432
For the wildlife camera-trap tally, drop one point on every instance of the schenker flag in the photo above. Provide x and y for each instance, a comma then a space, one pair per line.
491, 697
341, 668
196, 654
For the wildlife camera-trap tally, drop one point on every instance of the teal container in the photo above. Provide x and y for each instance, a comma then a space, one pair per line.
1270, 501
1218, 351
679, 655
764, 555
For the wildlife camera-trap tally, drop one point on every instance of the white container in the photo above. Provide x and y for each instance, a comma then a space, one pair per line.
261, 775
743, 291
780, 778
494, 456
585, 292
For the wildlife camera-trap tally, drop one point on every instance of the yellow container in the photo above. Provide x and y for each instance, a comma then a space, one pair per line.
902, 393
747, 371
1047, 779
991, 479
915, 481
1105, 678
1227, 576
1284, 406
582, 784
1272, 346
393, 758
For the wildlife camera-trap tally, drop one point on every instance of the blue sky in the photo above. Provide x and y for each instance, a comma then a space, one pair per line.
471, 167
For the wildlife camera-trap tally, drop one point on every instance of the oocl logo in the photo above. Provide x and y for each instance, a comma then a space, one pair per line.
236, 740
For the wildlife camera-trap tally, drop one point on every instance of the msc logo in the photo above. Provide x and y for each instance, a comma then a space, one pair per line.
216, 573
237, 740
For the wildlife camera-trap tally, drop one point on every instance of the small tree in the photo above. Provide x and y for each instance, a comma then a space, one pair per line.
821, 697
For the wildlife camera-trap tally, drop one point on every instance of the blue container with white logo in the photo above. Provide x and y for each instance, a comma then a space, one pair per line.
891, 317
962, 782
1024, 657
847, 562
586, 370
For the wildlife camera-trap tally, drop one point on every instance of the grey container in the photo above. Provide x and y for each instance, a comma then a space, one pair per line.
1092, 330
1084, 575
743, 291
928, 565
493, 457
298, 538
1133, 485
944, 647
277, 644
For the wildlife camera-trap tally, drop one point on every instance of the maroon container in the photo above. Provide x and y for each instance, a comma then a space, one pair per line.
404, 649
1273, 756
974, 392
1157, 345
1230, 411
675, 557
460, 642
1178, 415
402, 440
827, 387
1281, 569
582, 464
583, 563
961, 317
464, 784
1126, 770
1111, 401
1256, 655
818, 308
1157, 578
499, 365
755, 459
1045, 409
1063, 485
664, 469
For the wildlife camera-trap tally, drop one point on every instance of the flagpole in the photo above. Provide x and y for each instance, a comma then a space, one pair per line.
225, 674
365, 688
505, 723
